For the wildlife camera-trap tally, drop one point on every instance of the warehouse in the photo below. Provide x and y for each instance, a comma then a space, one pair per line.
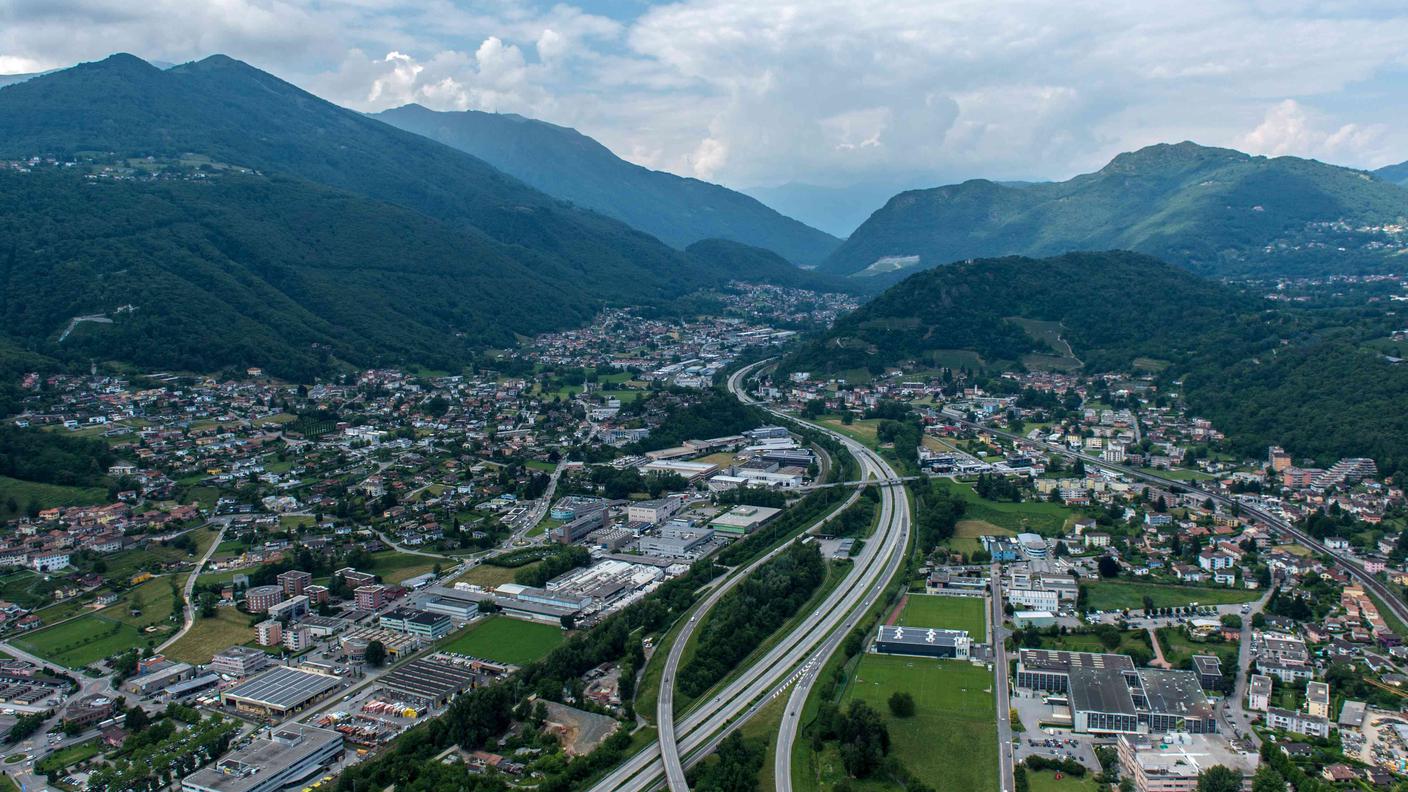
290, 755
923, 642
430, 679
431, 626
1108, 694
742, 520
279, 691
455, 604
147, 684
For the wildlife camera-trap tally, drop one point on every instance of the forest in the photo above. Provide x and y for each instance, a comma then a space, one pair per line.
53, 458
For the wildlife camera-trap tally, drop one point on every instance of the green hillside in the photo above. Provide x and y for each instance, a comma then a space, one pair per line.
1214, 211
221, 217
1306, 376
1398, 174
567, 164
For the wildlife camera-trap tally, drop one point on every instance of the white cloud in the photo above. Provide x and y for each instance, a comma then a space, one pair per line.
750, 92
1290, 129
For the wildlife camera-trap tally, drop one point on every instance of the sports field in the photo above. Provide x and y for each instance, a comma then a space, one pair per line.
950, 613
1120, 594
506, 640
951, 742
78, 642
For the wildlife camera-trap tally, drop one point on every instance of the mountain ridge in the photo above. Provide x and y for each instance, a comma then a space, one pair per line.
570, 165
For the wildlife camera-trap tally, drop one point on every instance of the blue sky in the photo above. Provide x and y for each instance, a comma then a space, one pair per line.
834, 92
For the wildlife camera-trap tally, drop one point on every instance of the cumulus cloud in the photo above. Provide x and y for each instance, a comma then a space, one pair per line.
827, 91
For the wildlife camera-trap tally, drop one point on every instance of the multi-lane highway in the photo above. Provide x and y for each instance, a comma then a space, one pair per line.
701, 728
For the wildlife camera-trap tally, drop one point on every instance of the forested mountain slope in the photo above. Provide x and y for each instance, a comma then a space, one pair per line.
1214, 211
567, 164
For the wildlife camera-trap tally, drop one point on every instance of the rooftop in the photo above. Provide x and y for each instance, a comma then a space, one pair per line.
1186, 755
283, 687
252, 765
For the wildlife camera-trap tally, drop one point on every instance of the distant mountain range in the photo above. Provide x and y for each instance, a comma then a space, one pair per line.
223, 217
564, 163
835, 210
1214, 211
1398, 174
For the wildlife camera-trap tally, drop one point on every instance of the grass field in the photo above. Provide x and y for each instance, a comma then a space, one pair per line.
540, 465
72, 755
862, 431
966, 533
45, 495
228, 627
952, 613
81, 641
1179, 648
953, 717
489, 576
1046, 781
154, 599
1132, 642
544, 525
394, 567
1119, 594
24, 588
1047, 519
506, 640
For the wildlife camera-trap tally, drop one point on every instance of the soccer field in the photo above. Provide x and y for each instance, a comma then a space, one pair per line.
506, 640
951, 742
952, 613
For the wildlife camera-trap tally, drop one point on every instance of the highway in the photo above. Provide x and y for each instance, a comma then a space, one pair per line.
1368, 581
701, 728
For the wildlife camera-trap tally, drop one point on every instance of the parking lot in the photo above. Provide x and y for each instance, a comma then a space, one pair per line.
1051, 741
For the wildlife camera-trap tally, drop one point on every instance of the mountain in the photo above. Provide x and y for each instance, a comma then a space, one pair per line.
1098, 309
563, 162
1214, 211
1398, 174
221, 217
1314, 377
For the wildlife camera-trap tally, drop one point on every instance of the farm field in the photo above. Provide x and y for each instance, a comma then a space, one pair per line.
953, 613
966, 533
1119, 594
81, 641
953, 717
228, 627
155, 600
506, 640
489, 576
862, 431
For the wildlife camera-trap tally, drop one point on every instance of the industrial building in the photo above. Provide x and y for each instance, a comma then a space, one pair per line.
923, 642
155, 680
290, 755
1173, 762
191, 687
676, 539
1209, 670
424, 624
434, 680
743, 520
1107, 694
279, 691
455, 604
239, 661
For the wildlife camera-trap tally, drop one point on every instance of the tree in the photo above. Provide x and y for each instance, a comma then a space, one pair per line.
1109, 567
1268, 780
137, 720
376, 654
902, 704
1219, 778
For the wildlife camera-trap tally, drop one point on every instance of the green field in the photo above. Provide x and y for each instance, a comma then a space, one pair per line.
228, 627
45, 496
1046, 781
1184, 474
966, 533
862, 431
1041, 517
1120, 594
1132, 642
952, 613
155, 600
490, 576
506, 640
72, 755
1179, 648
394, 567
25, 588
954, 717
81, 641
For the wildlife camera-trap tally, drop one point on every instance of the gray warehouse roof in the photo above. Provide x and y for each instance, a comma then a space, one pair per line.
283, 687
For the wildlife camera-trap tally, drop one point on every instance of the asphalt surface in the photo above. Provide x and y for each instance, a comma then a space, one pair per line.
786, 662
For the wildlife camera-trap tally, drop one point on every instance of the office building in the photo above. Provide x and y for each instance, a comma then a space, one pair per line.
923, 642
1173, 762
239, 661
290, 755
431, 626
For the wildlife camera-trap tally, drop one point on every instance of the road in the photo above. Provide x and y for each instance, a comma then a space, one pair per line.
1235, 722
1000, 689
188, 612
707, 723
1352, 568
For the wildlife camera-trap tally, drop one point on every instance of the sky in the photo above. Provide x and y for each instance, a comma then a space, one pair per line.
754, 93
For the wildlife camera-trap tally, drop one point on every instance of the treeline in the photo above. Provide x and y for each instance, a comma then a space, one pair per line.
938, 510
53, 458
563, 560
744, 618
718, 414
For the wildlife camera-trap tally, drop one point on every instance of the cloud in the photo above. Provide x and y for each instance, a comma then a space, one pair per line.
823, 91
1290, 129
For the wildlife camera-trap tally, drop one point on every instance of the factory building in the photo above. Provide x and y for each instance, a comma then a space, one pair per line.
290, 755
279, 692
1107, 694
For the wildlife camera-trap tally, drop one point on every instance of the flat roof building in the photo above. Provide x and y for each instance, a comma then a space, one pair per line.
425, 624
1109, 695
147, 684
1173, 762
742, 520
432, 679
923, 642
279, 691
291, 754
239, 661
1209, 670
1259, 693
